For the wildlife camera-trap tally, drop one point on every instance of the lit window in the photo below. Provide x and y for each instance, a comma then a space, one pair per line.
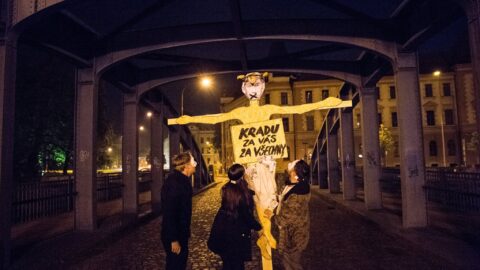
308, 96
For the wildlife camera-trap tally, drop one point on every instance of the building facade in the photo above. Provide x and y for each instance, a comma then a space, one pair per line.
204, 136
448, 109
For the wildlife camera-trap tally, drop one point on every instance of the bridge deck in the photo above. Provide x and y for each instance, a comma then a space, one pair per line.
341, 238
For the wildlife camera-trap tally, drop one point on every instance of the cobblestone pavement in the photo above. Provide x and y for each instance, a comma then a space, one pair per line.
339, 240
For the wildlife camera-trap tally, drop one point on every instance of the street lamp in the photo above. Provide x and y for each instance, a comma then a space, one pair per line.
149, 114
437, 74
141, 128
205, 83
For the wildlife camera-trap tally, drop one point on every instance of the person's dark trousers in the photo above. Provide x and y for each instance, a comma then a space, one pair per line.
230, 263
174, 261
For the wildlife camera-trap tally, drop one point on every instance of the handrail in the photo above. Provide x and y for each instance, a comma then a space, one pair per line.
188, 137
331, 122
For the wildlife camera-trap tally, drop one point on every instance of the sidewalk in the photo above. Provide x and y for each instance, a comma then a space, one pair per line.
440, 244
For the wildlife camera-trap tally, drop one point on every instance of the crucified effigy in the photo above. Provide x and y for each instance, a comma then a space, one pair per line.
257, 143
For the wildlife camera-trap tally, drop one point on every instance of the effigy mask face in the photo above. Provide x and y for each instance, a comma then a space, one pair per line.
253, 86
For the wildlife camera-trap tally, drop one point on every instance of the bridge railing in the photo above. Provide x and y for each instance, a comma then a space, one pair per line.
34, 200
41, 199
454, 190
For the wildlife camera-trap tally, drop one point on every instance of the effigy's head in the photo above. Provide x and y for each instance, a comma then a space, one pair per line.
253, 84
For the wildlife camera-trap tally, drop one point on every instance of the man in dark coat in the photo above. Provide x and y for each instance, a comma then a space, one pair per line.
177, 211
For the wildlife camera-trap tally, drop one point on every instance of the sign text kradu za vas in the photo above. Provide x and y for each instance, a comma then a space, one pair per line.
266, 138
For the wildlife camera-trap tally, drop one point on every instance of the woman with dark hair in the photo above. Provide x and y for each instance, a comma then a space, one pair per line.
292, 217
230, 236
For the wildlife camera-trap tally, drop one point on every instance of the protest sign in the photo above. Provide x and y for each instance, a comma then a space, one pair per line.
266, 138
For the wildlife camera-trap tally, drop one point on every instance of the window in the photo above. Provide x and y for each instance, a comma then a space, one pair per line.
325, 94
449, 117
430, 118
286, 127
358, 120
452, 148
394, 119
446, 90
380, 119
393, 94
308, 96
428, 90
284, 98
267, 98
310, 124
432, 146
201, 140
377, 90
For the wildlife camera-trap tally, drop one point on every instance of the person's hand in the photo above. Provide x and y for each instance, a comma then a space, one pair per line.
268, 213
176, 248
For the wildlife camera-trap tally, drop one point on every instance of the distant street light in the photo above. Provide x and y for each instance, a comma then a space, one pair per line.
109, 149
149, 114
141, 128
205, 83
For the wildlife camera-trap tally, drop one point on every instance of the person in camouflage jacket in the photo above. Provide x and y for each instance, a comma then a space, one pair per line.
293, 219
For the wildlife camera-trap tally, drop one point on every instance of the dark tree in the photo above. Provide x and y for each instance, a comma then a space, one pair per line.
44, 113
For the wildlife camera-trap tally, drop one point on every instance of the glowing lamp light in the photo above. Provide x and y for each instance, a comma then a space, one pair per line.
205, 82
437, 73
149, 114
141, 128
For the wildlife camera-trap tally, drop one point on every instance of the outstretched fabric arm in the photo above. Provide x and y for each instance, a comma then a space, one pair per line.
329, 103
202, 119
